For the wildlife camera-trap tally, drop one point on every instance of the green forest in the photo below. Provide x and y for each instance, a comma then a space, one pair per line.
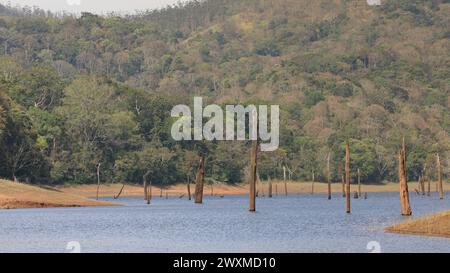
85, 92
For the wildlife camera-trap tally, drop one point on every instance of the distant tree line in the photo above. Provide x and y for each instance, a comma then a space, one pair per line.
79, 91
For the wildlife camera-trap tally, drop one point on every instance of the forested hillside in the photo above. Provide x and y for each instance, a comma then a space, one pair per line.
88, 92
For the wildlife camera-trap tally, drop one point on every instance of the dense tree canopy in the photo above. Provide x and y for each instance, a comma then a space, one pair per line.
79, 91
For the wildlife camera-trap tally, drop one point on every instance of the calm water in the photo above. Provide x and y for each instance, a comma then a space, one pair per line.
300, 223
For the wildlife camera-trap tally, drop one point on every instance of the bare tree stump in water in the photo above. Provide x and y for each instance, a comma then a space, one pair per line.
199, 181
404, 193
252, 175
355, 195
270, 188
285, 188
120, 192
439, 177
189, 189
347, 175
149, 194
98, 178
359, 183
313, 180
146, 196
329, 176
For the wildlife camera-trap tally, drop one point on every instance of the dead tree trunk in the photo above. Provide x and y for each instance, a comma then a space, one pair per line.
329, 176
120, 192
160, 192
252, 175
439, 177
359, 183
189, 189
404, 193
424, 179
285, 188
98, 178
313, 180
343, 184
199, 181
347, 176
150, 194
144, 178
270, 188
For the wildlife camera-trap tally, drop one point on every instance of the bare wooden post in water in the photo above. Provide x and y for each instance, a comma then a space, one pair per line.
199, 181
270, 188
341, 173
145, 177
285, 188
120, 192
189, 188
404, 193
98, 178
252, 175
439, 177
329, 176
347, 175
359, 183
313, 180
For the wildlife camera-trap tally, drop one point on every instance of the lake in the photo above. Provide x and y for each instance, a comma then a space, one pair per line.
298, 223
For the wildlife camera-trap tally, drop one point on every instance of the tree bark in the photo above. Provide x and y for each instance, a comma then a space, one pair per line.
347, 176
199, 181
359, 183
404, 193
120, 192
98, 178
189, 189
439, 177
145, 180
252, 175
329, 176
270, 189
424, 179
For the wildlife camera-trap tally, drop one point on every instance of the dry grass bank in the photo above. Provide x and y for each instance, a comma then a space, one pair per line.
434, 225
109, 190
17, 195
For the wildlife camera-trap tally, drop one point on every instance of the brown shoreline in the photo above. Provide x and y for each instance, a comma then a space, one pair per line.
19, 196
132, 190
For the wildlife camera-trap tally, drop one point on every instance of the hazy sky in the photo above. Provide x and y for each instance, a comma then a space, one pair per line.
96, 6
